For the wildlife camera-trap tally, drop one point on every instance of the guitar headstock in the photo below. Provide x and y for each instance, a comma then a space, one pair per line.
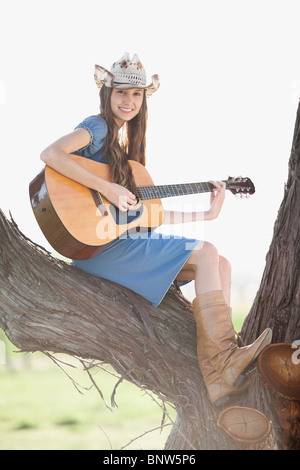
240, 186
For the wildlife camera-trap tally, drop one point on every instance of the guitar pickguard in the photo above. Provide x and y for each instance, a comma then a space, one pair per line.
125, 218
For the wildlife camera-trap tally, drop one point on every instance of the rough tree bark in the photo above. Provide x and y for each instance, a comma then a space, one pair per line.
49, 305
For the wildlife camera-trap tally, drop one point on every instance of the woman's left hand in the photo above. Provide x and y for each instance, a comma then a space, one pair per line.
216, 199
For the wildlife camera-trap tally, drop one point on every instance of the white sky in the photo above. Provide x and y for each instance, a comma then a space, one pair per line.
230, 84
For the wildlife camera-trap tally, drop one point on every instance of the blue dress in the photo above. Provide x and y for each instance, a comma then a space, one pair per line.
145, 263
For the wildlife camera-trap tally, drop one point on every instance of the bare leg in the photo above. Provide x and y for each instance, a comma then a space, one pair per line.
225, 274
209, 270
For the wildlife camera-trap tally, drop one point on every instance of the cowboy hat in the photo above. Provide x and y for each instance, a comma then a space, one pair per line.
124, 74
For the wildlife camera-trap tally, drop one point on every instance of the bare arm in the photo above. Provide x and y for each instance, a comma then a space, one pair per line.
177, 217
216, 202
56, 156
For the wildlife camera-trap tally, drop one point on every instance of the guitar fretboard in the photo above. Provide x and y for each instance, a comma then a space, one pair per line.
153, 192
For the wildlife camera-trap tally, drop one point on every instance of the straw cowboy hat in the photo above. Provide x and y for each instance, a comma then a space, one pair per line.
124, 74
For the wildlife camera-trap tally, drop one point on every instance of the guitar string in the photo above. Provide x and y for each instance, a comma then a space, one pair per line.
153, 192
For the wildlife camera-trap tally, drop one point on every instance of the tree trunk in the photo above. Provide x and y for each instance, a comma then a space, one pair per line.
50, 305
277, 303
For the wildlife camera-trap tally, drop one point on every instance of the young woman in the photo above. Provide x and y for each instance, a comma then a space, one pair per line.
149, 264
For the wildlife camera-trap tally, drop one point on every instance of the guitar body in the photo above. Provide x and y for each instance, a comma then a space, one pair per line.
71, 218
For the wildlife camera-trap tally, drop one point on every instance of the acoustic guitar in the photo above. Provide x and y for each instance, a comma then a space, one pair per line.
79, 222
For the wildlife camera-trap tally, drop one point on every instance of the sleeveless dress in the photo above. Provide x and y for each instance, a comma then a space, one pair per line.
145, 263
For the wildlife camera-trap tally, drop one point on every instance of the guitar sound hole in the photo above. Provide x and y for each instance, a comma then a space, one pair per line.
125, 218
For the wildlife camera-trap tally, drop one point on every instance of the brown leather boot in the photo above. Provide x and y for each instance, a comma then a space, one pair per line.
220, 393
216, 333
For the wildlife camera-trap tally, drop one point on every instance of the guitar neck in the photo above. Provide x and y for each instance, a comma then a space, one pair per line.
154, 192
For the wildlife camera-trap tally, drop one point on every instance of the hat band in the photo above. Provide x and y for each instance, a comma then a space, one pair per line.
128, 79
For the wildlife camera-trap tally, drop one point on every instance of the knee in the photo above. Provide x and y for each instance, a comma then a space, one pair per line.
207, 251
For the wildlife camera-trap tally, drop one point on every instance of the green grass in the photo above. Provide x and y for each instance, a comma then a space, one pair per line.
40, 408
239, 313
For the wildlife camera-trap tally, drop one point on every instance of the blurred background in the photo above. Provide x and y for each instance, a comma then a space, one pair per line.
230, 86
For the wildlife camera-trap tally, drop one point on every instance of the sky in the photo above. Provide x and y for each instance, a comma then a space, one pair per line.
230, 87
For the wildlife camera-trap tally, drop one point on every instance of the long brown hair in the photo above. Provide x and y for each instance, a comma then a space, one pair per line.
128, 143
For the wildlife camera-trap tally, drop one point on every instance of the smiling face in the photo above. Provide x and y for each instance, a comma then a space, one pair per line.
126, 104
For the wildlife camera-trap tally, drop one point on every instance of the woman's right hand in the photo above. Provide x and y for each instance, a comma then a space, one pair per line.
119, 196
